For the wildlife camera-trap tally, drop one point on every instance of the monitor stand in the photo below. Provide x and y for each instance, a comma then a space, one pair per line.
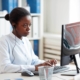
76, 59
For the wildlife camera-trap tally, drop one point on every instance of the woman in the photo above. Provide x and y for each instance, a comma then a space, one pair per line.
16, 53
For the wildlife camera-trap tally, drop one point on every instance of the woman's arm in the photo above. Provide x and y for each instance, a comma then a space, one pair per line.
5, 62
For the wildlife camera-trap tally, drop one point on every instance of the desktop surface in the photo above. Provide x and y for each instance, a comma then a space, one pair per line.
14, 76
77, 77
57, 76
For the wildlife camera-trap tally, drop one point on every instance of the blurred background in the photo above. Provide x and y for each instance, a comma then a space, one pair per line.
47, 19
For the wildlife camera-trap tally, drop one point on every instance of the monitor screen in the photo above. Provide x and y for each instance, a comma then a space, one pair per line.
70, 43
72, 34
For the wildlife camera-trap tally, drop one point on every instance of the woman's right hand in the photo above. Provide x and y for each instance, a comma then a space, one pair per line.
47, 63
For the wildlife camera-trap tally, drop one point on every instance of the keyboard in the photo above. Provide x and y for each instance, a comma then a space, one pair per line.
56, 69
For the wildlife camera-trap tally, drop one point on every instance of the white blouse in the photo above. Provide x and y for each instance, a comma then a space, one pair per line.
16, 55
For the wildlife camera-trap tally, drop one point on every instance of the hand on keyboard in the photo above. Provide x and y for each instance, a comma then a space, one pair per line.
52, 61
47, 63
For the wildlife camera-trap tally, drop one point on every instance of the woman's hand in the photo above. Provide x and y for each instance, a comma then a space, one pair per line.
52, 61
47, 63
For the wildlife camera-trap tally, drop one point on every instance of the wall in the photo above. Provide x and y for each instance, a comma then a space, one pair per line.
58, 12
74, 10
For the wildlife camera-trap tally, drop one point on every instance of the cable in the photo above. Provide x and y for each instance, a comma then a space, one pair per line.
13, 50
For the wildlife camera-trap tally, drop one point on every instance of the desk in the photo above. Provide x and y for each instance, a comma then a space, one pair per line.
13, 76
77, 77
58, 76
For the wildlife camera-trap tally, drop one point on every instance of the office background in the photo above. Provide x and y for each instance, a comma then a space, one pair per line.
58, 12
54, 13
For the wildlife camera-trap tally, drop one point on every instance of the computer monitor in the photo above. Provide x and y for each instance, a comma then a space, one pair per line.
70, 44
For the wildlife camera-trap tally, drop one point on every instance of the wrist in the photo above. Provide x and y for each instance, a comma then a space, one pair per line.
36, 67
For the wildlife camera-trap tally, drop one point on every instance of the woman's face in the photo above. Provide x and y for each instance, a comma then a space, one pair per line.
23, 26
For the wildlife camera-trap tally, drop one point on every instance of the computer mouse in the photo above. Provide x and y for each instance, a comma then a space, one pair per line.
27, 73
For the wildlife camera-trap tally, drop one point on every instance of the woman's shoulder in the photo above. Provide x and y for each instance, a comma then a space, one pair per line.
4, 38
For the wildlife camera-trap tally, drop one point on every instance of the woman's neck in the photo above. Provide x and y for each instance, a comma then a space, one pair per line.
16, 34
